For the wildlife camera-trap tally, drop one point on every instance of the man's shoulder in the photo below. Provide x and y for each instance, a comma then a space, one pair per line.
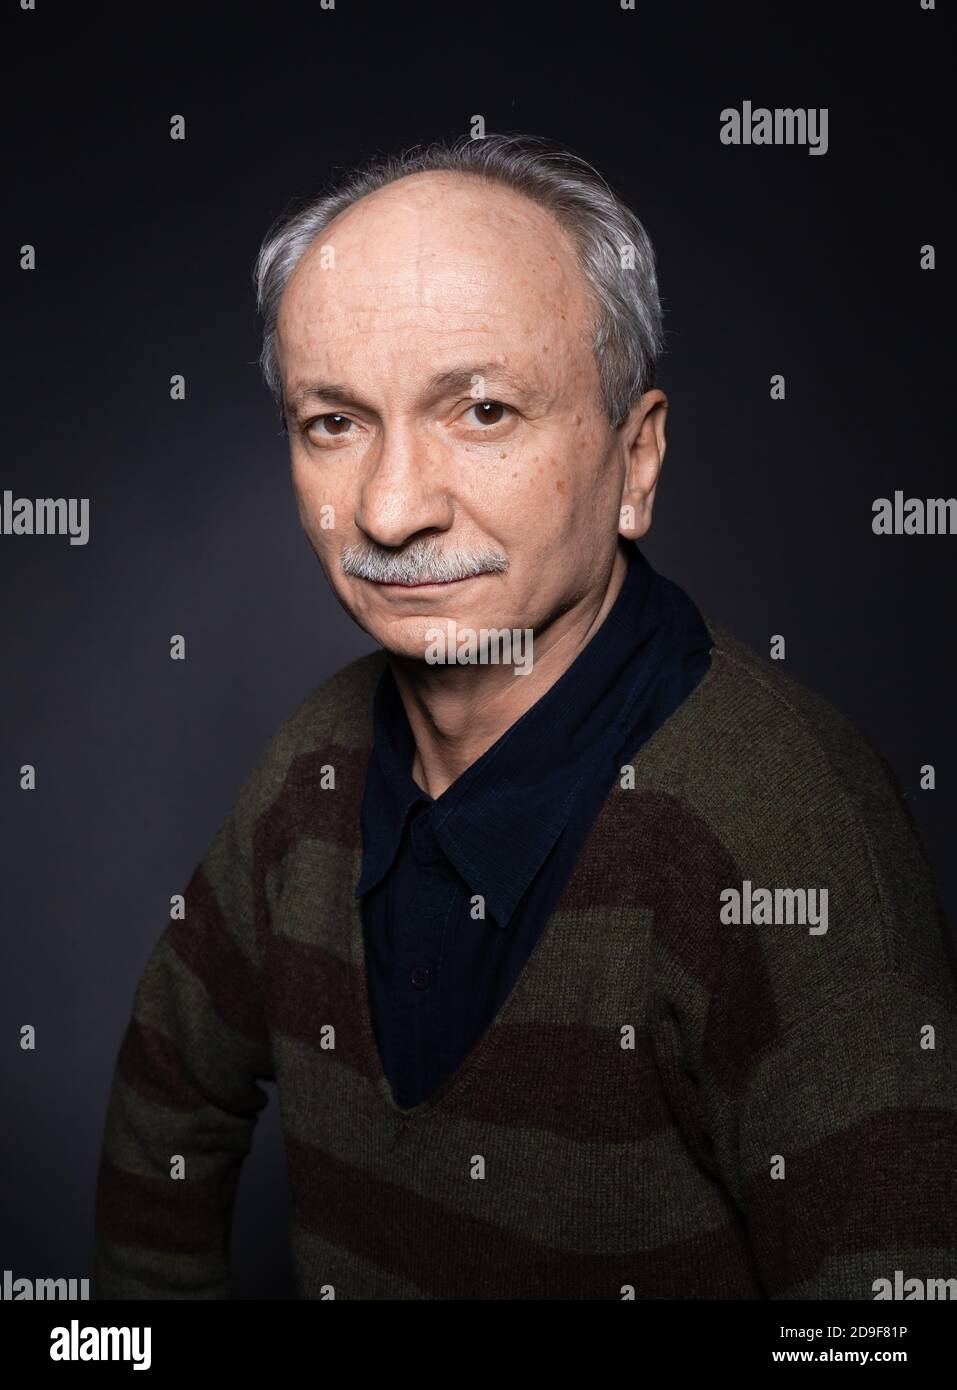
771, 720
776, 769
762, 686
339, 711
796, 793
333, 721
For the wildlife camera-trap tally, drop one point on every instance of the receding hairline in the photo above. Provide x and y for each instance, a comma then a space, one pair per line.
564, 235
464, 178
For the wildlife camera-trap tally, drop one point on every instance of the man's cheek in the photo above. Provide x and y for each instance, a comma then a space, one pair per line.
321, 512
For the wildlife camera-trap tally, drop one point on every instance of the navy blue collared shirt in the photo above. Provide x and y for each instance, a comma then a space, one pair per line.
455, 890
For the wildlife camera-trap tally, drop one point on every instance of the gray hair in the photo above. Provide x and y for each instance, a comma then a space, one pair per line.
614, 251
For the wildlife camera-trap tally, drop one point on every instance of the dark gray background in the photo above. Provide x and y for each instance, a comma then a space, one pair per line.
771, 260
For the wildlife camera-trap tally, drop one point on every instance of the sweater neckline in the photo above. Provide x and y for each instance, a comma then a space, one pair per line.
562, 919
477, 1059
482, 1053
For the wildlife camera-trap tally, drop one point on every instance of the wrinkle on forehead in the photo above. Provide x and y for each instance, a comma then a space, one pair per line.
446, 245
443, 290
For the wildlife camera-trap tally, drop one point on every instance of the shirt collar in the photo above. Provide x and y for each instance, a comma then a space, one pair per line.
500, 819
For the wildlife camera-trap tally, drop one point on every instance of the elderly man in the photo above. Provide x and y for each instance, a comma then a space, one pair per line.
591, 956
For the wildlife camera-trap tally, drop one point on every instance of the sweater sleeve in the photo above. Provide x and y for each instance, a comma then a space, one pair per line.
841, 1151
830, 1057
185, 1093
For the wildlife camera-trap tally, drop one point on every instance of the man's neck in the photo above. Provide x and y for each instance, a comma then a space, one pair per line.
457, 712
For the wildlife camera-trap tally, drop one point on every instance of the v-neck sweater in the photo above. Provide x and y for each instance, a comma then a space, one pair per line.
677, 1099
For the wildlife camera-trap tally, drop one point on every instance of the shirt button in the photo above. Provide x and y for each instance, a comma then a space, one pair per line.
421, 977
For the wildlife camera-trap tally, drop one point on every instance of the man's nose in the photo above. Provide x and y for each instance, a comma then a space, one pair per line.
403, 492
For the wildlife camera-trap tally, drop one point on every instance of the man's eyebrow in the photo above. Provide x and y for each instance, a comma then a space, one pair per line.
461, 379
320, 393
445, 383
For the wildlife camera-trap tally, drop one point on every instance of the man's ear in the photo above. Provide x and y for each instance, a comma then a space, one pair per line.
643, 441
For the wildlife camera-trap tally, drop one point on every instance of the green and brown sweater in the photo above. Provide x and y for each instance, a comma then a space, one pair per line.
668, 1105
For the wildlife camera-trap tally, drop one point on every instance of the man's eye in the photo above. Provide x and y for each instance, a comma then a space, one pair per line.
337, 424
488, 412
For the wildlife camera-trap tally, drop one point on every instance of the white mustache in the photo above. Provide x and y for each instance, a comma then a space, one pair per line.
422, 563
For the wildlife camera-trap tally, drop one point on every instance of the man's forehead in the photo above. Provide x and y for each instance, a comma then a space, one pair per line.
456, 247
458, 297
434, 286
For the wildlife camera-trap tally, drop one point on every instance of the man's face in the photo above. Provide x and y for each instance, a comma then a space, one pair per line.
445, 292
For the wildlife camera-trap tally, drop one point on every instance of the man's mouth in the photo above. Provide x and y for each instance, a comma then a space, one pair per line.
423, 583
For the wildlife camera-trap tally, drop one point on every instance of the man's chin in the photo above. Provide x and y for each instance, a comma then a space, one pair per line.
431, 638
413, 638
